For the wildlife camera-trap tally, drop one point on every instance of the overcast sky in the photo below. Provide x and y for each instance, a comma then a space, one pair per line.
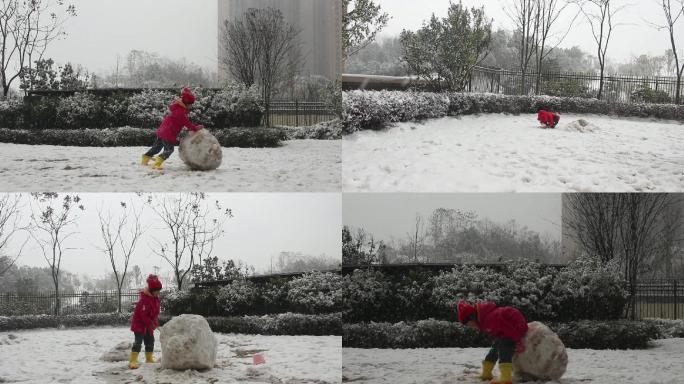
389, 216
172, 28
635, 37
263, 225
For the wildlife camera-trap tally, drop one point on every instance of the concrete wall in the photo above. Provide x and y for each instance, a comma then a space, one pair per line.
319, 20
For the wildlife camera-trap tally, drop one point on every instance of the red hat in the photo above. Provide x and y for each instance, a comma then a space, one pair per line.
153, 283
187, 96
465, 311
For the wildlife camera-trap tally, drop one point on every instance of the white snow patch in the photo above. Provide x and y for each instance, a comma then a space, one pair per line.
505, 153
74, 356
298, 165
659, 365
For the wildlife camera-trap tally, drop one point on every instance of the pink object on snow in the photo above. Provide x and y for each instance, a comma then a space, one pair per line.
258, 358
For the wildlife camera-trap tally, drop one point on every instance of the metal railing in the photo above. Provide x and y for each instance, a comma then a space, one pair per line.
299, 113
662, 299
46, 303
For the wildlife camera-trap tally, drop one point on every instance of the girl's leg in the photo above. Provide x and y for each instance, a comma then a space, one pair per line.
156, 147
488, 363
149, 348
168, 150
506, 349
137, 344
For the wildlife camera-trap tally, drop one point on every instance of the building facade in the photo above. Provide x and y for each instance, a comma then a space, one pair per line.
320, 22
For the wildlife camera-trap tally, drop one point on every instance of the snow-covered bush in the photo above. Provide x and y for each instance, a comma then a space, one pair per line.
148, 108
114, 111
329, 130
47, 321
237, 297
82, 110
365, 293
668, 329
250, 137
291, 324
316, 292
274, 295
236, 106
431, 333
11, 113
376, 109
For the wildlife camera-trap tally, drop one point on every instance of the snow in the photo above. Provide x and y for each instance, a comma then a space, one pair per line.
506, 153
73, 356
658, 365
297, 166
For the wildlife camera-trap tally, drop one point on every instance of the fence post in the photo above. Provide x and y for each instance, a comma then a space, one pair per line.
296, 113
675, 299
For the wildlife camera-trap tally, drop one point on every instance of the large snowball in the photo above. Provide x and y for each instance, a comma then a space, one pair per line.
544, 358
580, 125
201, 151
188, 343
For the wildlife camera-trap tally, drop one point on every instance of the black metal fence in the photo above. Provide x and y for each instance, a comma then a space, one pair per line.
662, 299
76, 303
298, 113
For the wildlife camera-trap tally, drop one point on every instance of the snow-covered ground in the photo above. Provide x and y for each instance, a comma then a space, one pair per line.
505, 153
73, 356
658, 365
299, 165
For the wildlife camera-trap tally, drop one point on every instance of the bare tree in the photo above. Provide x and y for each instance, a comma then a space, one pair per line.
417, 238
672, 16
10, 226
526, 17
548, 13
50, 218
261, 48
120, 236
192, 225
601, 17
27, 28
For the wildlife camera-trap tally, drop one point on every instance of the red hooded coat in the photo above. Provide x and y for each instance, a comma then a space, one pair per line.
174, 122
145, 318
547, 118
501, 323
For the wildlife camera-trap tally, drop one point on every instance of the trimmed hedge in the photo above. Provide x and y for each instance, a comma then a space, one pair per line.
47, 321
233, 106
128, 137
582, 290
668, 329
431, 333
375, 109
292, 324
329, 130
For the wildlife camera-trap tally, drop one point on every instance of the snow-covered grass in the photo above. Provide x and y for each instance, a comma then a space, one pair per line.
73, 356
658, 365
298, 165
505, 153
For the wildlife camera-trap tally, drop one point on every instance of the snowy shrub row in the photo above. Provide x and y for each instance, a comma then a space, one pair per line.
582, 290
312, 293
668, 329
329, 130
128, 136
375, 109
289, 324
431, 333
48, 321
233, 106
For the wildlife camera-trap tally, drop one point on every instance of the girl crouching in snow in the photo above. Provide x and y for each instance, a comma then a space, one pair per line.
506, 325
549, 119
145, 320
167, 133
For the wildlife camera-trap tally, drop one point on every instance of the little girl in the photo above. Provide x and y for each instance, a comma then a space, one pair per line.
549, 119
145, 320
506, 325
167, 133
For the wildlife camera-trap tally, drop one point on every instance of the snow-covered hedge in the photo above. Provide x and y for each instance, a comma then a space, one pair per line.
11, 113
329, 130
431, 333
375, 109
79, 110
128, 136
237, 297
316, 292
46, 321
148, 108
583, 290
291, 324
668, 329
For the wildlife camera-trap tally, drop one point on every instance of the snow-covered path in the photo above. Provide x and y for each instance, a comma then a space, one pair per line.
658, 365
505, 153
299, 165
73, 356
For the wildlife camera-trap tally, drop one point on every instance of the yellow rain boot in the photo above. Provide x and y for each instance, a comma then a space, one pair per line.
149, 358
146, 160
133, 361
158, 162
505, 374
487, 368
